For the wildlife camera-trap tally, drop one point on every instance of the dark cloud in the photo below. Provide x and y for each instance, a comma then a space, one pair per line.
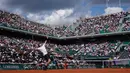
110, 1
39, 5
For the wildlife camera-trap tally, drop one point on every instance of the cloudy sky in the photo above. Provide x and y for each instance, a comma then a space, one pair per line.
55, 12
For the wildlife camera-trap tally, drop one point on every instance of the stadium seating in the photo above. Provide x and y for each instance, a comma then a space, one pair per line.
10, 46
84, 26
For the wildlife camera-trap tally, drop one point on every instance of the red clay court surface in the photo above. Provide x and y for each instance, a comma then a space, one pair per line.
69, 71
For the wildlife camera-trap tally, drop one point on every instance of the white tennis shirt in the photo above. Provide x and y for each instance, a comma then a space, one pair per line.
43, 49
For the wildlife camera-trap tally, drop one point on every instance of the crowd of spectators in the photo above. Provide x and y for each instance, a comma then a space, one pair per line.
126, 24
126, 27
92, 49
100, 24
17, 22
22, 50
83, 26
